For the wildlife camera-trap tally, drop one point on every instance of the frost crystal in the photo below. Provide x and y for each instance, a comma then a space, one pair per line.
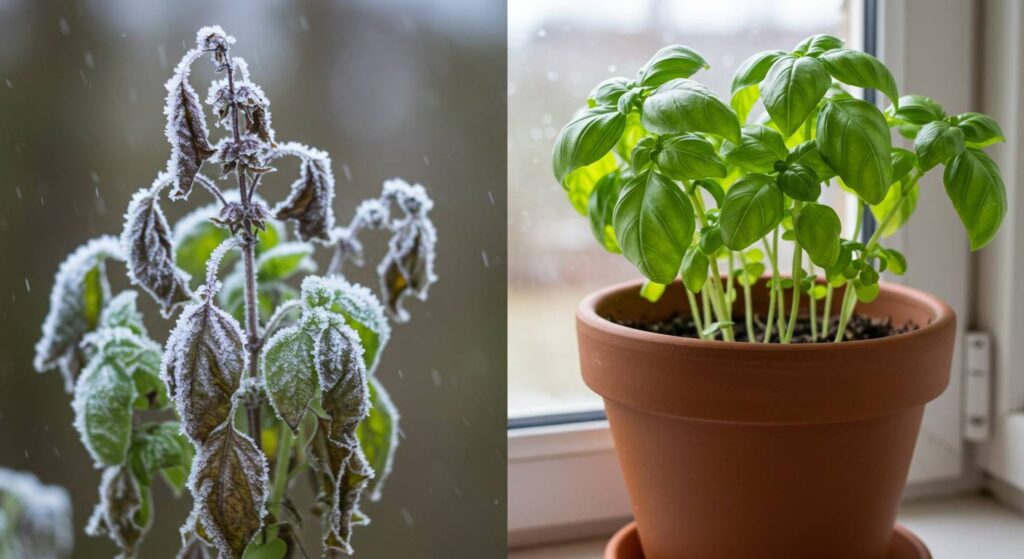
413, 199
289, 373
372, 213
311, 197
362, 311
146, 242
229, 482
346, 247
80, 289
35, 521
378, 437
213, 37
117, 514
186, 129
408, 267
202, 366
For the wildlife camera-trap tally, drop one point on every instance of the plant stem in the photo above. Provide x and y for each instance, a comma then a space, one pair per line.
695, 313
705, 305
769, 323
280, 481
249, 241
718, 302
826, 311
812, 304
797, 276
748, 309
780, 299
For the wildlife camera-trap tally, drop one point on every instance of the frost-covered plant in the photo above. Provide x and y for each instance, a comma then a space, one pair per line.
35, 519
673, 178
195, 411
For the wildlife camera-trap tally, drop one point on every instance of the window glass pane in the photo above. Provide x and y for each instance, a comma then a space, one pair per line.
557, 52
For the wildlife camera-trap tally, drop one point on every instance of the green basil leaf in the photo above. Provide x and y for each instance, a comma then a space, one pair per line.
607, 93
807, 155
792, 89
758, 149
711, 240
689, 157
633, 134
903, 162
800, 183
713, 188
682, 105
853, 139
817, 229
980, 130
896, 261
652, 291
643, 153
817, 44
695, 269
902, 215
860, 69
936, 143
579, 183
744, 82
587, 138
975, 186
600, 208
916, 109
654, 224
753, 207
866, 292
669, 63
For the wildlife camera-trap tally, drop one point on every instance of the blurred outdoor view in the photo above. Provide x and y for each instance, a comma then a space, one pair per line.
558, 51
408, 88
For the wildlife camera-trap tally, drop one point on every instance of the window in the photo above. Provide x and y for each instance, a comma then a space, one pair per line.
557, 52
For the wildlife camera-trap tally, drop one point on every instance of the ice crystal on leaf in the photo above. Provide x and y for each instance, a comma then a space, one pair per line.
203, 362
194, 548
343, 474
361, 309
378, 437
309, 203
149, 254
122, 312
124, 511
186, 129
80, 290
289, 374
346, 247
229, 485
408, 267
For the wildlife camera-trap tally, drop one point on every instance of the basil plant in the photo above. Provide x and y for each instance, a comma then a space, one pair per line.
683, 184
267, 376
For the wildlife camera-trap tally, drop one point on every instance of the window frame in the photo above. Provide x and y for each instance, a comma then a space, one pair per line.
563, 476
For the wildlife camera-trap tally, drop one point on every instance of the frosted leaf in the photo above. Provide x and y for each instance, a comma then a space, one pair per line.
362, 310
338, 357
229, 488
146, 242
250, 98
203, 363
346, 247
289, 374
122, 312
123, 513
408, 267
412, 199
157, 447
186, 129
378, 437
342, 475
285, 260
372, 213
35, 521
249, 151
103, 410
213, 37
194, 548
80, 290
309, 203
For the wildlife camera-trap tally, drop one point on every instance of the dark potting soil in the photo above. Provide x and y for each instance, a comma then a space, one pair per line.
860, 327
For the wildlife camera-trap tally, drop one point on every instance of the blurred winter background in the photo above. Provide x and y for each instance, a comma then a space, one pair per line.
558, 51
409, 88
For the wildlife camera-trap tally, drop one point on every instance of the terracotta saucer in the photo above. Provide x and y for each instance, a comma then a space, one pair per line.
625, 544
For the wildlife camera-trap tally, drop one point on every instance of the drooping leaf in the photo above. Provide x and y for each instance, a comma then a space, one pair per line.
669, 63
854, 140
80, 290
752, 208
601, 207
343, 474
186, 129
590, 135
860, 69
792, 89
580, 182
817, 228
289, 374
121, 513
103, 410
689, 157
229, 489
654, 224
146, 241
361, 309
744, 82
309, 204
378, 437
936, 143
980, 130
816, 45
681, 105
203, 364
758, 150
975, 186
408, 267
694, 269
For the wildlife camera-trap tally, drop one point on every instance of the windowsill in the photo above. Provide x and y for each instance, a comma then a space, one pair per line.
972, 526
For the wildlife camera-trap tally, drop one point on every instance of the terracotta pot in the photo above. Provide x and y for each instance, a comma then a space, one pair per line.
737, 450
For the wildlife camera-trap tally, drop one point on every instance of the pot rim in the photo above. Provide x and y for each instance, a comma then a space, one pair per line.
586, 312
